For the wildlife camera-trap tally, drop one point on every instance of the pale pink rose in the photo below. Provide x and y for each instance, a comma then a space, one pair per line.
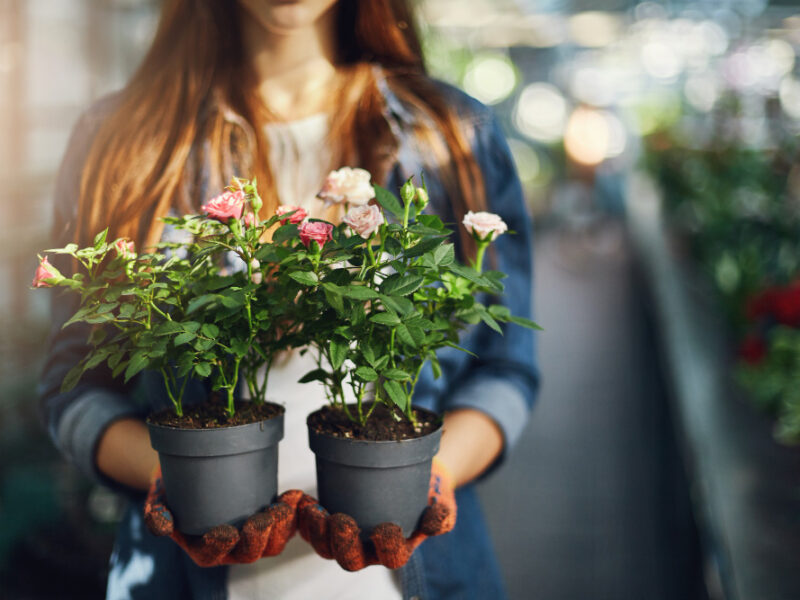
484, 225
249, 219
347, 185
297, 218
364, 220
125, 248
228, 205
256, 276
316, 231
44, 272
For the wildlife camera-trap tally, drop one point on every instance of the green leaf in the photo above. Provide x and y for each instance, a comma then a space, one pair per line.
437, 368
210, 330
232, 299
360, 292
182, 338
100, 239
338, 349
369, 353
397, 304
200, 301
357, 314
457, 347
239, 346
432, 221
315, 375
401, 285
167, 328
525, 323
137, 363
385, 318
98, 335
98, 356
203, 369
388, 201
101, 318
405, 336
73, 377
444, 255
334, 299
396, 394
396, 375
423, 246
126, 311
488, 319
366, 374
468, 273
285, 232
498, 311
305, 277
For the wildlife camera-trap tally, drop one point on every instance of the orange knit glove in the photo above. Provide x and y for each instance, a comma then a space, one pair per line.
263, 534
337, 536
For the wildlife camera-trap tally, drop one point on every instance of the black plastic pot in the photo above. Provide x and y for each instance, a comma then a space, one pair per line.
218, 476
375, 482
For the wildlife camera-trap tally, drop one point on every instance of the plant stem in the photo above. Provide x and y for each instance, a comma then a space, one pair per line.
479, 257
167, 376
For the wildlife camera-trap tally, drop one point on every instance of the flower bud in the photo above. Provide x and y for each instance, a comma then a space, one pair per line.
421, 199
407, 192
256, 276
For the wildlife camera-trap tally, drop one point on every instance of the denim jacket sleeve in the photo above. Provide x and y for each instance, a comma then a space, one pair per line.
76, 419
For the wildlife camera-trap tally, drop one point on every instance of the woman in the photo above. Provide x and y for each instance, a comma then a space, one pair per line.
285, 91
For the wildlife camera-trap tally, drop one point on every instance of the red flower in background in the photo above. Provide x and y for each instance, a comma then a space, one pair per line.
752, 350
781, 303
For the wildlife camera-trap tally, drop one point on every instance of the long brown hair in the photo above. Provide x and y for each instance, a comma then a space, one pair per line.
193, 102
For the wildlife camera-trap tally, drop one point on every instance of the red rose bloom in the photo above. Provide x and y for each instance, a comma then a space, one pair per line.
315, 231
225, 206
299, 215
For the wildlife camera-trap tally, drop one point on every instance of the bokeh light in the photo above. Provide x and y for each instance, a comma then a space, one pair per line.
490, 78
541, 112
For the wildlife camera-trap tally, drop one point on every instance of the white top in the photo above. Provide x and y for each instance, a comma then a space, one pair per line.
300, 160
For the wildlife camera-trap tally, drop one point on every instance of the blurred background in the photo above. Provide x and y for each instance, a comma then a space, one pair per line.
657, 143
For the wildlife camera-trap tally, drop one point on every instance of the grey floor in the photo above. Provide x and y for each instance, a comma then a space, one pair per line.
587, 506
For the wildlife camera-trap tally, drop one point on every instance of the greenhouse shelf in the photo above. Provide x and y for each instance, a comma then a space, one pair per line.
745, 486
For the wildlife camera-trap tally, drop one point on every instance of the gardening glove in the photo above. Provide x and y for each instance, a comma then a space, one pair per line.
337, 536
263, 534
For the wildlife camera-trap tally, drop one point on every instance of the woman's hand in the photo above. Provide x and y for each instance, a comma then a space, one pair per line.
338, 536
264, 534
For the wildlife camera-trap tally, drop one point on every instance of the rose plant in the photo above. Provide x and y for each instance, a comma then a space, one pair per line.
184, 317
379, 296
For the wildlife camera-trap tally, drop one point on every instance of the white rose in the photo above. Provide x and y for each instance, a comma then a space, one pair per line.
364, 220
484, 225
347, 185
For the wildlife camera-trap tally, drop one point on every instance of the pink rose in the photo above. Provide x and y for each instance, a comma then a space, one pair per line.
249, 219
484, 225
315, 230
228, 205
44, 272
347, 185
298, 217
125, 248
364, 220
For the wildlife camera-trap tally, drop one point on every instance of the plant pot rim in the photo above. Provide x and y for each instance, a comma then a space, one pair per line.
374, 453
220, 427
216, 441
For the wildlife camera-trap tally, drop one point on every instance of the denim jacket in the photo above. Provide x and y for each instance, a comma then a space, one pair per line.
501, 382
